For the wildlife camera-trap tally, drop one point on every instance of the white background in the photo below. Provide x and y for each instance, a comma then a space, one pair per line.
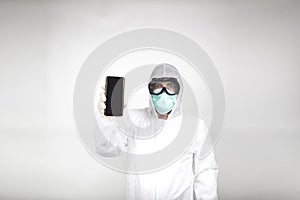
254, 45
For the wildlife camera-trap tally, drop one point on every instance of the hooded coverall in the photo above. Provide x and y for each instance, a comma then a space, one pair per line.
188, 178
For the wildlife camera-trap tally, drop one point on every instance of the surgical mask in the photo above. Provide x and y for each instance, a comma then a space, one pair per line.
163, 102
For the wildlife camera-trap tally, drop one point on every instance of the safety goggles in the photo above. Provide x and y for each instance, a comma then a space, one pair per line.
159, 85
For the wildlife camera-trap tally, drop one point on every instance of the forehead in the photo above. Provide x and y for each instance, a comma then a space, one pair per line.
164, 80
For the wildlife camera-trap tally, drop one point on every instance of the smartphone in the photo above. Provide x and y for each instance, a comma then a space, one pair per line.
114, 96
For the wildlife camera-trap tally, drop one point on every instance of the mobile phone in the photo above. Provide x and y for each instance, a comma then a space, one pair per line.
114, 96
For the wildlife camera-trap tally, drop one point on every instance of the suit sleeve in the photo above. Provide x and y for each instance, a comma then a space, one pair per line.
206, 175
109, 140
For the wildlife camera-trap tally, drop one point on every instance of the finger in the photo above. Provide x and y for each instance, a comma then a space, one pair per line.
102, 114
102, 97
102, 111
102, 90
102, 105
103, 87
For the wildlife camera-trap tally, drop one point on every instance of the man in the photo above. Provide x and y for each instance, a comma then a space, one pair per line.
189, 177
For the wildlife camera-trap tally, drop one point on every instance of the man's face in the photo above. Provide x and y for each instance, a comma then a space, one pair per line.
164, 93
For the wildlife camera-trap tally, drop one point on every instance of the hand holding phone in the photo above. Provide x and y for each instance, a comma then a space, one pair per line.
101, 103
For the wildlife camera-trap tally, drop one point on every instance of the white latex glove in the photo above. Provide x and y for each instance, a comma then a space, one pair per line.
101, 103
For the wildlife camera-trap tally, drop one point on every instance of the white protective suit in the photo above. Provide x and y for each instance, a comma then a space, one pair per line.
188, 178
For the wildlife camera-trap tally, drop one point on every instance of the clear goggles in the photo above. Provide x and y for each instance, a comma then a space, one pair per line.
159, 85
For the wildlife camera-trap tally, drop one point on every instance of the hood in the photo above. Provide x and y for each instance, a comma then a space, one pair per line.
167, 70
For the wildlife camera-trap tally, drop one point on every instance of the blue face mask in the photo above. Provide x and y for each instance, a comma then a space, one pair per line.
163, 102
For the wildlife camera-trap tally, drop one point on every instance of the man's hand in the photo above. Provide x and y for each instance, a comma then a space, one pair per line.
101, 103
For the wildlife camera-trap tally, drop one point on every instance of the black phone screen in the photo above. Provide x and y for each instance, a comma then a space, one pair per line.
114, 96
